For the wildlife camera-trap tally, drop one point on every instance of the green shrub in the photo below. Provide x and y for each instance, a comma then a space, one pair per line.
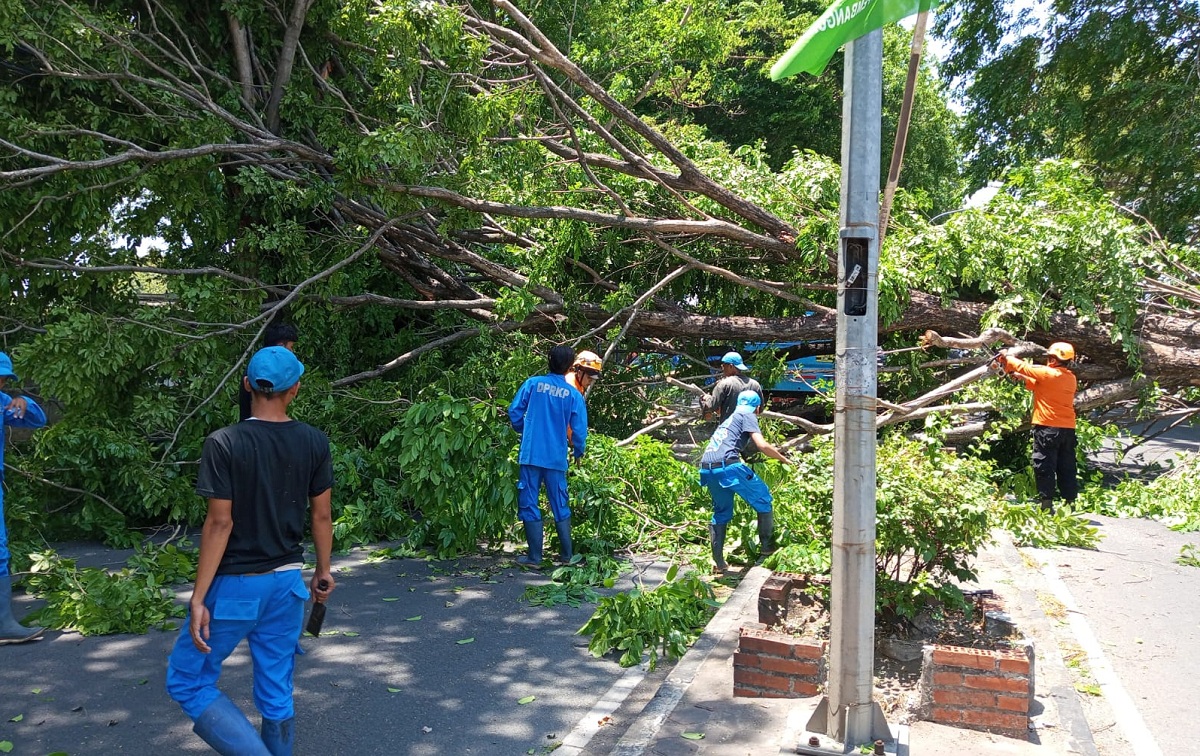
667, 618
932, 510
1172, 498
576, 583
93, 601
456, 461
637, 497
1030, 525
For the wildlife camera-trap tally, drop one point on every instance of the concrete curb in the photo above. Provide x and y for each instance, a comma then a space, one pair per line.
644, 730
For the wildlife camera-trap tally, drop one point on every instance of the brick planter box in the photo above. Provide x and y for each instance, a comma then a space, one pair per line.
990, 690
978, 689
775, 665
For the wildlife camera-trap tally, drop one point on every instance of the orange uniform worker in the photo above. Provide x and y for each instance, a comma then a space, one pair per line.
583, 373
1053, 386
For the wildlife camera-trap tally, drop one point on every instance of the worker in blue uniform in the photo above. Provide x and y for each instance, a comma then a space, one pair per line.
261, 477
724, 474
543, 409
19, 412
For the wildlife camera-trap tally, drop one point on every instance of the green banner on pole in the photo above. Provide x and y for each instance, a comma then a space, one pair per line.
841, 22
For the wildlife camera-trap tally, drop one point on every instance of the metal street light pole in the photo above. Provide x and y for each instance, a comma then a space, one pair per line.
848, 713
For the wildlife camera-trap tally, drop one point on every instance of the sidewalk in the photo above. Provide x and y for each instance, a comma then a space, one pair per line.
697, 696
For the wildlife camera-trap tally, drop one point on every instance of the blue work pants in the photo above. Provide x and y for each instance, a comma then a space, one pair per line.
4, 555
530, 484
268, 611
735, 478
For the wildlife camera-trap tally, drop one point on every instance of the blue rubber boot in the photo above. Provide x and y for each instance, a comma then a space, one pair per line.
565, 547
534, 535
279, 735
224, 727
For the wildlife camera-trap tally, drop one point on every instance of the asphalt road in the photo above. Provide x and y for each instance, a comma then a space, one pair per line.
1129, 616
1131, 625
379, 680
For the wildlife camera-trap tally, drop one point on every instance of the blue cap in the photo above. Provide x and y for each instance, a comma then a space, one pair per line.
273, 369
6, 367
748, 401
735, 359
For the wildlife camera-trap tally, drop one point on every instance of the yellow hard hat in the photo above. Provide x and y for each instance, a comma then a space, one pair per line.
589, 360
1062, 350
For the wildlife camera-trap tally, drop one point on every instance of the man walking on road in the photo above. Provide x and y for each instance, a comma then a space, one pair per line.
543, 409
259, 476
723, 399
724, 474
277, 334
19, 412
1053, 386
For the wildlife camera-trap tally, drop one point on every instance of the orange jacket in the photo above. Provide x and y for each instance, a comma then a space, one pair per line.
1053, 391
571, 379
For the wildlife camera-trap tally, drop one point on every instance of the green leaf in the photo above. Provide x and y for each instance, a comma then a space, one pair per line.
526, 699
672, 572
17, 718
413, 619
350, 634
394, 690
465, 641
6, 746
693, 735
391, 598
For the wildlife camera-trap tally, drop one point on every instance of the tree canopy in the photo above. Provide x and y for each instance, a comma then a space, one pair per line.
1110, 83
429, 190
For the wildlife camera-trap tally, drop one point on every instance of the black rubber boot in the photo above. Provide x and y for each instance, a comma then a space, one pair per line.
12, 631
716, 534
1047, 505
565, 547
766, 533
534, 537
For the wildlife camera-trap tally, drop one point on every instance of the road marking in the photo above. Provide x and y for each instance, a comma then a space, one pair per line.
1133, 727
591, 723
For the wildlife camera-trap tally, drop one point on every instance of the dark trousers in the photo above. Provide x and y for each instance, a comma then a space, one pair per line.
1054, 461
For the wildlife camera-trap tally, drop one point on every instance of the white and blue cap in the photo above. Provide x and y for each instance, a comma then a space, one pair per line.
748, 401
6, 367
273, 369
735, 359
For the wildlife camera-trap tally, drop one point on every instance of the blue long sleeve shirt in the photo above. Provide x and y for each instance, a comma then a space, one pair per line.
544, 407
34, 418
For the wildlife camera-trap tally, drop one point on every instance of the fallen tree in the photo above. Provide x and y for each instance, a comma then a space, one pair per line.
434, 187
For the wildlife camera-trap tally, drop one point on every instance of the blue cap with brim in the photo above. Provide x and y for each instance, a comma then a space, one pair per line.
735, 359
273, 369
748, 401
6, 367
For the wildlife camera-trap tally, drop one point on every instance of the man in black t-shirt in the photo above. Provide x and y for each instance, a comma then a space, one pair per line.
723, 399
277, 334
260, 478
724, 474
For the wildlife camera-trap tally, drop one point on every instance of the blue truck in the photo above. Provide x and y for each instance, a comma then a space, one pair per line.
809, 364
